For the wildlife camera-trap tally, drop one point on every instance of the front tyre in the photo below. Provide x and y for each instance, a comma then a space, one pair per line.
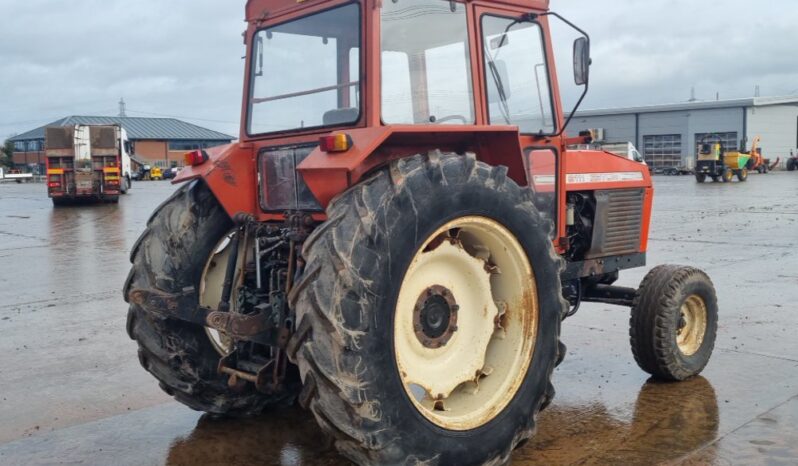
674, 322
429, 315
170, 256
700, 177
728, 175
742, 175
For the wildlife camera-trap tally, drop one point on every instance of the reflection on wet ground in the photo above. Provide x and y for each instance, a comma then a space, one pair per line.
666, 422
72, 392
669, 423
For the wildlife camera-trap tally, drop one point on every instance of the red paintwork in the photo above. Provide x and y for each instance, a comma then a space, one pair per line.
231, 172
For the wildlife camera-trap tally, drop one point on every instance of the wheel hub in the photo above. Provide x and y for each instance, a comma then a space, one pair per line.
692, 325
435, 317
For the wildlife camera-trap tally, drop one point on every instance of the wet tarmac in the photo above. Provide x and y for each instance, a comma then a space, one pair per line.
72, 391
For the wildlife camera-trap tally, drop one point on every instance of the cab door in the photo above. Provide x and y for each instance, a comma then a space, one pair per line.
517, 75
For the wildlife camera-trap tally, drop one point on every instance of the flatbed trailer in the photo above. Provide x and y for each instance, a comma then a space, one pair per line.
87, 163
15, 176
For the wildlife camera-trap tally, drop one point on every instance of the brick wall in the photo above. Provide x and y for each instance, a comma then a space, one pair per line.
25, 158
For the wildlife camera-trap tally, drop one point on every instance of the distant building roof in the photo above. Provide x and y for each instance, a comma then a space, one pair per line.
697, 105
137, 128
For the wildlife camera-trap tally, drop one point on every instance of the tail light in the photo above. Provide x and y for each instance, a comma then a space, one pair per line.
54, 184
194, 158
336, 143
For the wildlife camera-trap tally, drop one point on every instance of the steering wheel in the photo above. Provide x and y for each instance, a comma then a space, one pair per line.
442, 120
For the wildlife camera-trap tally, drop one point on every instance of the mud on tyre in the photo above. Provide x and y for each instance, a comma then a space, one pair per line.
170, 256
363, 327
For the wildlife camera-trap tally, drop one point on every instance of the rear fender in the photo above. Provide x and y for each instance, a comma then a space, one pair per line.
230, 174
329, 174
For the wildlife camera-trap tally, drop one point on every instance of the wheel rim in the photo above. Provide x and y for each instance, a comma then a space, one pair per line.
210, 290
692, 325
465, 323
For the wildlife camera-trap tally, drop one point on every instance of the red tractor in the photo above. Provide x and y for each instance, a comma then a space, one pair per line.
399, 234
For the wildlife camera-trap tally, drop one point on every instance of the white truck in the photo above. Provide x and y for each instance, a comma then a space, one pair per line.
14, 175
87, 162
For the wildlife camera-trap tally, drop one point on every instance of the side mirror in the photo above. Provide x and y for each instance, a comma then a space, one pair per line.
581, 61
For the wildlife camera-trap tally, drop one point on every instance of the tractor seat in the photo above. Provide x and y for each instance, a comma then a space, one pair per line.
340, 116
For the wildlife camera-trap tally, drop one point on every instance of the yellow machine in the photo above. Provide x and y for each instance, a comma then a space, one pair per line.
716, 163
155, 174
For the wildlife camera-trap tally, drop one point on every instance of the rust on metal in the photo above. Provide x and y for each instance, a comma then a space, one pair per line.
238, 326
439, 300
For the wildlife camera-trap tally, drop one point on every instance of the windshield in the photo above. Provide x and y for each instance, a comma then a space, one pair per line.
306, 73
426, 76
517, 76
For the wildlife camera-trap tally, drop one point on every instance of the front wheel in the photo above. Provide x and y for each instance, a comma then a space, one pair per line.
728, 175
429, 315
700, 177
742, 175
674, 322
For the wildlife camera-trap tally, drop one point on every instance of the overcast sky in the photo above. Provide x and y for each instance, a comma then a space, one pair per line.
182, 58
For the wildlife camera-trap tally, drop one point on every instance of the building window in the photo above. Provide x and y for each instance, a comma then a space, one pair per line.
663, 150
729, 140
193, 145
19, 146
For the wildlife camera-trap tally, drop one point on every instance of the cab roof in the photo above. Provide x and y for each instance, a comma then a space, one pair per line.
264, 9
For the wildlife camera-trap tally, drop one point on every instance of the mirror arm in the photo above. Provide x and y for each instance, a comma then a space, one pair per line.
587, 84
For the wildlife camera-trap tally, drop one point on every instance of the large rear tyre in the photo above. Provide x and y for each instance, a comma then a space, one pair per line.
429, 315
125, 184
170, 256
792, 165
674, 322
700, 177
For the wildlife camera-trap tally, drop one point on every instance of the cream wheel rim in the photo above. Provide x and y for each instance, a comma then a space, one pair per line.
465, 323
692, 325
210, 290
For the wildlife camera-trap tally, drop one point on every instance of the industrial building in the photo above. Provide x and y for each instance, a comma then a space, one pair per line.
158, 141
668, 135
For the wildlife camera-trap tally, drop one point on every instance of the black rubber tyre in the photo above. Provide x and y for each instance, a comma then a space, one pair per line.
169, 256
727, 176
742, 175
792, 165
345, 305
656, 316
125, 185
700, 177
716, 179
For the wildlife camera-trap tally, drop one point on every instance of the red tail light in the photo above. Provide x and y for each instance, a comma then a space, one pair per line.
336, 143
194, 158
54, 185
